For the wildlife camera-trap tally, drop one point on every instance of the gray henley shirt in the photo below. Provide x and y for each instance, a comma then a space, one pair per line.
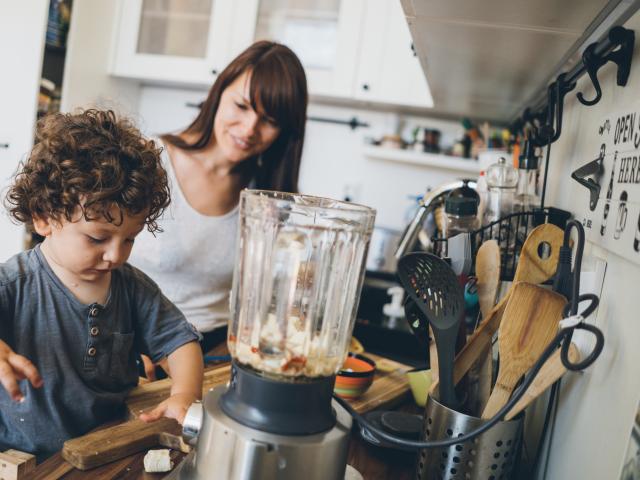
86, 354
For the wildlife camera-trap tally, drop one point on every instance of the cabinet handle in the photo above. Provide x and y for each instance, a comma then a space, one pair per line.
365, 86
4, 145
214, 71
413, 49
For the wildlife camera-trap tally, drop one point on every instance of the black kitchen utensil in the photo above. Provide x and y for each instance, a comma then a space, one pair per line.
417, 321
434, 288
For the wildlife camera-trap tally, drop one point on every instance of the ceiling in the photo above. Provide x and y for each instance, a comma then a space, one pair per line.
485, 59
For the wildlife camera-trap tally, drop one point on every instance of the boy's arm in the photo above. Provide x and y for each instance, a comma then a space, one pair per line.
186, 366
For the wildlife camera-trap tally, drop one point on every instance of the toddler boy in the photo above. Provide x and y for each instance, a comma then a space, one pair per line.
73, 314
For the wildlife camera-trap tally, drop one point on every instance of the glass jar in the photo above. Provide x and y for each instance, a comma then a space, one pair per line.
297, 281
502, 179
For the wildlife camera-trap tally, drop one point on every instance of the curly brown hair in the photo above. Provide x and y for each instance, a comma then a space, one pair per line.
92, 160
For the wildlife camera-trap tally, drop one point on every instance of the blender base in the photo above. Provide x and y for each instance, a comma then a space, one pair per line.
229, 450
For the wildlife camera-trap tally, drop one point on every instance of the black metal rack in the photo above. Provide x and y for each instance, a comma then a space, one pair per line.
510, 232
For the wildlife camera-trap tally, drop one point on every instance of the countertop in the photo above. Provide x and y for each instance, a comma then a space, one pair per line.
372, 462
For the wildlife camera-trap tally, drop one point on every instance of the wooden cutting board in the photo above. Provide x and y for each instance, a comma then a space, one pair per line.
389, 387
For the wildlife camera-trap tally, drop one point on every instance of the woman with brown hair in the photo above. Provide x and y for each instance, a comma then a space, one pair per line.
249, 133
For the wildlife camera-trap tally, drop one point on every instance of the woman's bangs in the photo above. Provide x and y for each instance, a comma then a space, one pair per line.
273, 94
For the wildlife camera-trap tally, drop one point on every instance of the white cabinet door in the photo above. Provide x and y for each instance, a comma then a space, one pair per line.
22, 33
388, 69
325, 35
183, 41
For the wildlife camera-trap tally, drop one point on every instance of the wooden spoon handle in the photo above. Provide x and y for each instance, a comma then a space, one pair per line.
550, 372
478, 344
499, 397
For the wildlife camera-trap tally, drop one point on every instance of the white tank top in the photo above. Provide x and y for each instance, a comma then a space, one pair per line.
192, 259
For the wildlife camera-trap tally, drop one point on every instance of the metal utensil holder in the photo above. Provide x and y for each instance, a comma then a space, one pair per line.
492, 455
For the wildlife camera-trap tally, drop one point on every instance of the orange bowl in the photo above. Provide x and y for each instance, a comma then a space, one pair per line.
355, 377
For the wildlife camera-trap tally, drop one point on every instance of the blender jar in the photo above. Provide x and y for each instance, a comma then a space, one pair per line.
296, 284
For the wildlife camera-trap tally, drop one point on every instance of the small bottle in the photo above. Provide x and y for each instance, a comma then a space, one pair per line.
526, 199
483, 193
461, 214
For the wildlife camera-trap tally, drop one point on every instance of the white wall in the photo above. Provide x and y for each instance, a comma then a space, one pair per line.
87, 82
597, 407
333, 163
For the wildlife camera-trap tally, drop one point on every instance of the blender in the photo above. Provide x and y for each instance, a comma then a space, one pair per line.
297, 279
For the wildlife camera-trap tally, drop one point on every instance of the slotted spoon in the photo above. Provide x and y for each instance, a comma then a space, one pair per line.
434, 288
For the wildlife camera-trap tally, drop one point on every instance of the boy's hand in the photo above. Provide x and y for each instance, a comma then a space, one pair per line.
13, 368
173, 407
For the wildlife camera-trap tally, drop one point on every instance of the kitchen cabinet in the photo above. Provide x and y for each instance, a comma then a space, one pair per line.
324, 34
389, 70
355, 49
177, 41
22, 34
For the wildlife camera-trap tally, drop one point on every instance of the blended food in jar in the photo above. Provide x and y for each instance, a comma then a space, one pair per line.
295, 353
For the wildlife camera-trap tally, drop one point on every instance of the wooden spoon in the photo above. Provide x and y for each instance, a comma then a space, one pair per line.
488, 276
532, 268
529, 324
549, 374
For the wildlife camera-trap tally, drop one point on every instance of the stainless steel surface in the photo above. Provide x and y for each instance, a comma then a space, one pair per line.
493, 454
231, 451
192, 421
428, 204
382, 247
483, 59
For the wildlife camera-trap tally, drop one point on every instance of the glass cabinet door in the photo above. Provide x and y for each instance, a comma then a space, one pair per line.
323, 33
185, 41
175, 27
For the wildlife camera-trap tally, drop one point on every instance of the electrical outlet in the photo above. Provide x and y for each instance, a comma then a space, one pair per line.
592, 276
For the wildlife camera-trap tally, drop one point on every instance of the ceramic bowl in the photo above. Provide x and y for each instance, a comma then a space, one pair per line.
355, 376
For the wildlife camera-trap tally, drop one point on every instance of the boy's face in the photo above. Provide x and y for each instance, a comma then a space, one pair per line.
89, 250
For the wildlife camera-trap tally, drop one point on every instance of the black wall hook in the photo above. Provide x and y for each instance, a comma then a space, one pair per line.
551, 129
620, 37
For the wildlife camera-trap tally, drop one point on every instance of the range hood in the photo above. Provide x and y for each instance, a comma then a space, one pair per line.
489, 59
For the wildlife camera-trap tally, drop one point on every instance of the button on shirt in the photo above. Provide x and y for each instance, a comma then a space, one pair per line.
86, 354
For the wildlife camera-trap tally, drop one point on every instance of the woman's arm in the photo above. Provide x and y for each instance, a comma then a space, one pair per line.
186, 366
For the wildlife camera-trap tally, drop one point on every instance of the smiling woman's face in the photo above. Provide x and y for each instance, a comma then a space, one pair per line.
239, 130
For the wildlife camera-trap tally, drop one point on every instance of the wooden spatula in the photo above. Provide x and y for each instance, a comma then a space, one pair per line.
532, 268
549, 374
529, 323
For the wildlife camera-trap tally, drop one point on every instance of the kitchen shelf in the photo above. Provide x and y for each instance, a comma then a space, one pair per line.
431, 160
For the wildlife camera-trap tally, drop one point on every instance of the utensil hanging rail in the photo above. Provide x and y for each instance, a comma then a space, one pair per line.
353, 122
545, 117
